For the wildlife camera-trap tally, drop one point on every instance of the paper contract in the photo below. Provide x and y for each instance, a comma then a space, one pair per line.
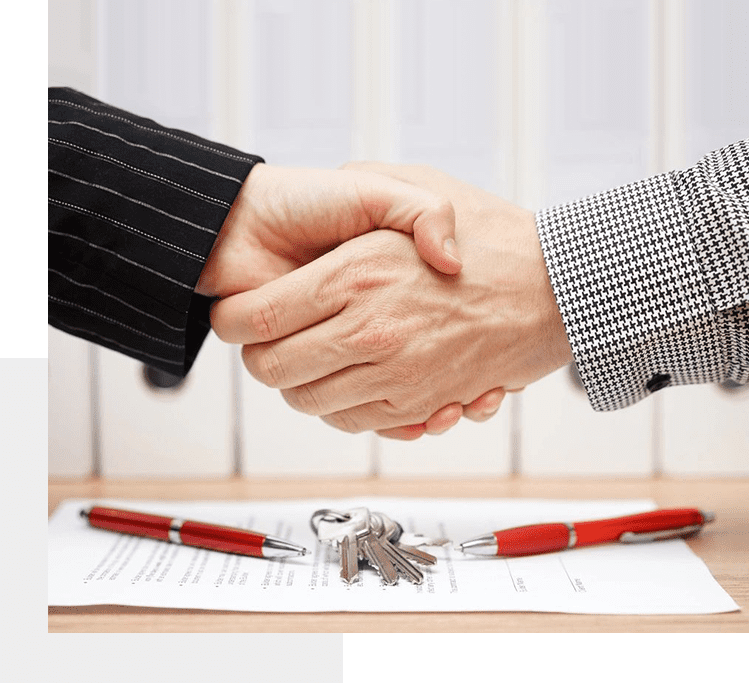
90, 566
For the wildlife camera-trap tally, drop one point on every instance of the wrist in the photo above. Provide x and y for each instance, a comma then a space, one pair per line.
558, 349
525, 308
217, 269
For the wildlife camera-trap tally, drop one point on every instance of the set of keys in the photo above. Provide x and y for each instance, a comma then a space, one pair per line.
372, 536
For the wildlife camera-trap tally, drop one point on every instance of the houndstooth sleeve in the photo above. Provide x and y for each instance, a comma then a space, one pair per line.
652, 279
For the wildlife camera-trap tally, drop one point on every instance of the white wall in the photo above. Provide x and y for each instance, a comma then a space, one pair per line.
535, 100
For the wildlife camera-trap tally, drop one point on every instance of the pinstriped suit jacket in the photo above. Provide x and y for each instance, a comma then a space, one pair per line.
134, 209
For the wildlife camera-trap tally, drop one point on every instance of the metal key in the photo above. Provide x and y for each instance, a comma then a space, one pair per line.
412, 539
416, 554
343, 529
374, 553
402, 537
388, 559
393, 531
371, 536
401, 561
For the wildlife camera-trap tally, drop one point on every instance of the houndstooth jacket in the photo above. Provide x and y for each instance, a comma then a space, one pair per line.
652, 279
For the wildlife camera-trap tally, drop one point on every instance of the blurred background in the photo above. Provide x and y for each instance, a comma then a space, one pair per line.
539, 101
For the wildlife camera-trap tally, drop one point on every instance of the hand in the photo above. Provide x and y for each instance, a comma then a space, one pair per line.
488, 404
369, 337
284, 218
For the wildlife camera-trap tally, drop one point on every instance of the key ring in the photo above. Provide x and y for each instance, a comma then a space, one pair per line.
327, 515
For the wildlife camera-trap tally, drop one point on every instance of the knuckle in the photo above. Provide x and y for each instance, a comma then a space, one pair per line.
272, 368
303, 399
376, 337
361, 275
264, 365
444, 209
264, 319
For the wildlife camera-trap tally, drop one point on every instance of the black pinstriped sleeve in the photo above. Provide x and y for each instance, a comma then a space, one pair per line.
134, 209
652, 279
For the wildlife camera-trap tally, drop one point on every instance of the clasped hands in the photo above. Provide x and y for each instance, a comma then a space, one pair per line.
377, 329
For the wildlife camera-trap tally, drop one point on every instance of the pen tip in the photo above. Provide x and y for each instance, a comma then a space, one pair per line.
481, 545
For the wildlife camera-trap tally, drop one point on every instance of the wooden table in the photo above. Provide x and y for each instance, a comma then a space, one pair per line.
724, 548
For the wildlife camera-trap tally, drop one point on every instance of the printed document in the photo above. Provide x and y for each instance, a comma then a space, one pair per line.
89, 566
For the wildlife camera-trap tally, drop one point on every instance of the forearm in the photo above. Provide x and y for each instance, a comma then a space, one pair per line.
651, 279
134, 210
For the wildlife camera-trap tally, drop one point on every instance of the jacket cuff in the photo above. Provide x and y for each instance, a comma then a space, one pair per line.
135, 209
632, 296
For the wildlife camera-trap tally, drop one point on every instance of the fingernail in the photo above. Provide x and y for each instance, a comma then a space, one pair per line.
451, 249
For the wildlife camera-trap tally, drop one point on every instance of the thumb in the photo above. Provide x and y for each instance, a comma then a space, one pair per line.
391, 203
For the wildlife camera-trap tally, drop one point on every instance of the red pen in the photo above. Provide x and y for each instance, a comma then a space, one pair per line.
535, 539
225, 539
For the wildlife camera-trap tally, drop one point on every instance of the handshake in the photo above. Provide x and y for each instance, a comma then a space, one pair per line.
384, 297
374, 329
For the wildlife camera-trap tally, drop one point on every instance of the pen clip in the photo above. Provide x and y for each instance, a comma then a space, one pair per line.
632, 537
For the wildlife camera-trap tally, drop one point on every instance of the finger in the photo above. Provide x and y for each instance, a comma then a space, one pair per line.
440, 422
374, 416
308, 362
444, 418
281, 307
407, 433
390, 203
481, 409
484, 406
296, 362
341, 391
